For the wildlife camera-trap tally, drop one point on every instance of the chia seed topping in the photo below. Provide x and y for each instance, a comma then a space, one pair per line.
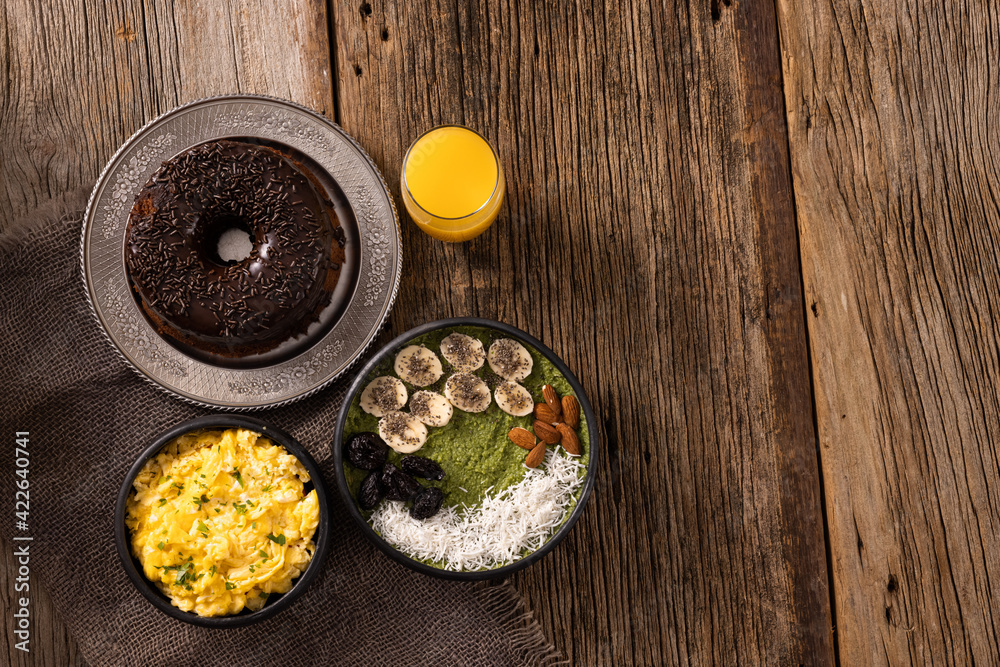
505, 355
462, 352
467, 388
517, 398
420, 369
420, 405
383, 394
397, 424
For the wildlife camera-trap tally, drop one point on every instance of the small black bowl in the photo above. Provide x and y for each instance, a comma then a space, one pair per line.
391, 551
274, 603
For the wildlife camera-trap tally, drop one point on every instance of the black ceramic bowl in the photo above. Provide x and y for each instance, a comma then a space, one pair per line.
275, 603
358, 385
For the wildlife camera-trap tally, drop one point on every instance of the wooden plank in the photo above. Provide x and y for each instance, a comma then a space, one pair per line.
50, 643
649, 238
892, 117
81, 77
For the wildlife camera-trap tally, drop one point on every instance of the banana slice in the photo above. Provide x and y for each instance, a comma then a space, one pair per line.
404, 433
467, 392
432, 408
418, 365
510, 360
463, 352
514, 399
383, 394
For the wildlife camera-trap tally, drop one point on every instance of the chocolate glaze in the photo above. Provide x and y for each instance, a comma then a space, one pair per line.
240, 308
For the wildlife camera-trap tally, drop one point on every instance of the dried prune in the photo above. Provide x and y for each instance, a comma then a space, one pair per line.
367, 451
371, 491
397, 484
419, 466
427, 503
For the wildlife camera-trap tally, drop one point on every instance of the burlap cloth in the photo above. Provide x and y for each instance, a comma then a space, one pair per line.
89, 416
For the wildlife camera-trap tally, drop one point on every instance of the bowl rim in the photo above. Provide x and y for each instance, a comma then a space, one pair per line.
399, 556
322, 539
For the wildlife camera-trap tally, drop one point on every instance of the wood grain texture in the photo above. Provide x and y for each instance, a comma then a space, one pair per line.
648, 237
893, 115
81, 77
49, 644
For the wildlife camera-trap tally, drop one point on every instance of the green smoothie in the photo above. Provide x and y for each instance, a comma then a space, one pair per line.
473, 448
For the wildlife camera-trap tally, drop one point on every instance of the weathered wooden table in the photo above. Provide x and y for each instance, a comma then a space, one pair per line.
763, 233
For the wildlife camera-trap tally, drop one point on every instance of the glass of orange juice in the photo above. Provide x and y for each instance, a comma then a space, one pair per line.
452, 183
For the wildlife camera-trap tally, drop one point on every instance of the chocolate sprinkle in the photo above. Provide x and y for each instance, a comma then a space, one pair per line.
174, 225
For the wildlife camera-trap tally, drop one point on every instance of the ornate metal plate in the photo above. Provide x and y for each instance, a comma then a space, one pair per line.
267, 119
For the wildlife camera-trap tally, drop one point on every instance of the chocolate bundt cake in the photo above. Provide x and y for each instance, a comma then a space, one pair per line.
233, 308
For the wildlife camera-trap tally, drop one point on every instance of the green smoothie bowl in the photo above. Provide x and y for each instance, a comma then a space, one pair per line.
466, 449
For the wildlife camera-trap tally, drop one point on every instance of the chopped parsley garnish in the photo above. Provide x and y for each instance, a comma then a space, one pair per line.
163, 501
230, 586
252, 569
266, 488
202, 528
280, 539
161, 545
264, 595
185, 573
198, 501
254, 525
239, 478
162, 479
213, 570
240, 508
179, 487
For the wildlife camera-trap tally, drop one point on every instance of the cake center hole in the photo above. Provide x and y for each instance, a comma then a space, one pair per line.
231, 242
234, 245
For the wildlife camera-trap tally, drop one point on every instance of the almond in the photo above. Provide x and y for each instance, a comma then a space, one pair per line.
552, 399
571, 411
544, 413
546, 432
535, 456
522, 437
570, 442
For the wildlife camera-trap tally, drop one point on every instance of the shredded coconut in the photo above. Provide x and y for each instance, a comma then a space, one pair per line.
500, 530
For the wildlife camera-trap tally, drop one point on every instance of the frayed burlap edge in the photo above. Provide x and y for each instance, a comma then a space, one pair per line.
526, 633
66, 208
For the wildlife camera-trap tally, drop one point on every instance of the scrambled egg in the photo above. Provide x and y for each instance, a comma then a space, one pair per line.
219, 521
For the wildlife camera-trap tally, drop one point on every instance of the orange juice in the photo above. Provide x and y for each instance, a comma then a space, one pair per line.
452, 183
